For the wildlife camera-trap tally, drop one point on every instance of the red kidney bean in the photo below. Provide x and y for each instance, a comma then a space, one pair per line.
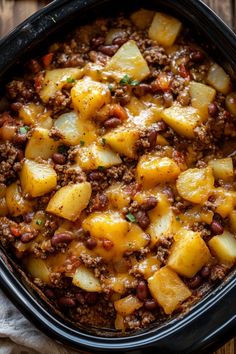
150, 305
142, 89
216, 228
58, 158
91, 298
20, 155
27, 237
16, 106
64, 237
107, 244
149, 204
80, 298
119, 40
28, 217
183, 98
49, 293
142, 219
205, 272
34, 66
90, 243
152, 136
112, 123
20, 138
213, 109
142, 290
65, 301
195, 281
197, 56
109, 50
96, 42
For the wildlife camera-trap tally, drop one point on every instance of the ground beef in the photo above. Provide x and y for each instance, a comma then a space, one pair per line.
20, 90
163, 248
9, 166
70, 60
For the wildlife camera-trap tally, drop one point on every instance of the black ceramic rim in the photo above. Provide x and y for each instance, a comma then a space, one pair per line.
213, 320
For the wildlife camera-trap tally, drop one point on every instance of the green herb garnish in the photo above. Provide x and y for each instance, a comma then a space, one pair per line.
23, 130
177, 218
131, 217
134, 82
110, 86
62, 149
103, 141
82, 143
39, 222
101, 168
126, 80
70, 80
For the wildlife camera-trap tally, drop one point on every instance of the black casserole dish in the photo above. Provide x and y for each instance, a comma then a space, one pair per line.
211, 321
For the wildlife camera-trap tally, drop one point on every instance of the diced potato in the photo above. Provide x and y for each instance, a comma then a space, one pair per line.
119, 323
232, 219
127, 305
230, 103
37, 268
164, 29
30, 112
95, 155
123, 141
183, 120
37, 178
117, 196
118, 282
15, 202
135, 240
218, 78
168, 289
54, 81
152, 170
224, 247
188, 254
197, 214
195, 184
224, 201
45, 121
40, 145
201, 96
142, 18
148, 266
70, 200
74, 130
85, 279
3, 207
89, 96
222, 168
162, 220
128, 60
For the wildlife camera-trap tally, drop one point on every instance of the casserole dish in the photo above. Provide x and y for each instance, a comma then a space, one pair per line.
163, 336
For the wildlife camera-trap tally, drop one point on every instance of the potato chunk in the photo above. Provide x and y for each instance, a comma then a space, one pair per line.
224, 247
40, 145
188, 254
37, 178
168, 289
30, 112
152, 170
89, 96
201, 96
37, 268
164, 29
123, 141
54, 81
95, 156
127, 305
230, 103
70, 200
142, 18
85, 279
224, 201
15, 202
148, 266
222, 168
195, 184
74, 130
117, 196
128, 60
183, 120
218, 78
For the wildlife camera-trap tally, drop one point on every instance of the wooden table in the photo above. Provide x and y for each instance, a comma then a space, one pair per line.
13, 12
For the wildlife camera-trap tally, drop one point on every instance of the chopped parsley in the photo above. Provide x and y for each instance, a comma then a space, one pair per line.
126, 80
103, 141
70, 80
82, 143
101, 168
131, 217
62, 149
39, 222
111, 87
177, 218
24, 130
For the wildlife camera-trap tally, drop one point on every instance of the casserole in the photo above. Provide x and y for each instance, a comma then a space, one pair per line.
54, 18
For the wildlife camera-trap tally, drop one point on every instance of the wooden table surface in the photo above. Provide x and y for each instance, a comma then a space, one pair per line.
13, 12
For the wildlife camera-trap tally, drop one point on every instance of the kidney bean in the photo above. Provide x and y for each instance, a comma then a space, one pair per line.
15, 231
27, 237
20, 155
96, 42
20, 138
213, 109
142, 89
112, 123
90, 243
142, 290
109, 50
28, 217
197, 56
96, 175
65, 301
142, 219
205, 272
64, 237
80, 298
149, 204
183, 98
91, 298
107, 244
49, 293
168, 99
195, 281
58, 158
152, 136
16, 106
34, 66
150, 305
216, 228
119, 40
